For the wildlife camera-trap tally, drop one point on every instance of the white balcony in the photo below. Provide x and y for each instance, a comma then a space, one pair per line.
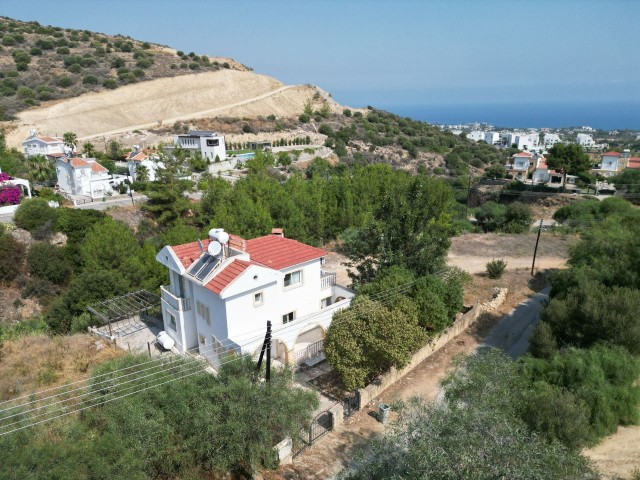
171, 297
327, 279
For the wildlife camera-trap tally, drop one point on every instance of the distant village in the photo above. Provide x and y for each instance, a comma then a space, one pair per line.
530, 165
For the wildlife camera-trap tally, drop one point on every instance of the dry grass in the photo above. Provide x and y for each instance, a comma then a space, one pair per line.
33, 363
508, 245
520, 283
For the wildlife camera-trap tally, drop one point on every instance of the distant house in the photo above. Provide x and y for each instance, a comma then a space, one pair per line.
550, 139
541, 173
492, 138
223, 290
519, 166
49, 147
585, 140
611, 164
261, 145
209, 144
476, 135
83, 177
145, 158
633, 163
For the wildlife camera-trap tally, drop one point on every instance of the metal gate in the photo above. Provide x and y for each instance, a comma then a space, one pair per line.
321, 424
351, 404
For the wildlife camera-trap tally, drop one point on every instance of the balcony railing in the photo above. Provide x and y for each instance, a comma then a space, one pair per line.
179, 303
327, 279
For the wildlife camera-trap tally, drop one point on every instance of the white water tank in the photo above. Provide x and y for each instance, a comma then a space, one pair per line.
165, 340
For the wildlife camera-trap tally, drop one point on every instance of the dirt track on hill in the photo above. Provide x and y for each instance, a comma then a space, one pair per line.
164, 101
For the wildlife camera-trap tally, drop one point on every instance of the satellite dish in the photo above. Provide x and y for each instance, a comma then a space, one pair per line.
214, 248
223, 237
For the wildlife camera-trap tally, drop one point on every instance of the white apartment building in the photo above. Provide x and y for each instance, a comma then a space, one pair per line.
550, 139
476, 135
223, 290
492, 138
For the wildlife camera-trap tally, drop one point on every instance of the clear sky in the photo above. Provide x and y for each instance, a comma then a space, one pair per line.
393, 52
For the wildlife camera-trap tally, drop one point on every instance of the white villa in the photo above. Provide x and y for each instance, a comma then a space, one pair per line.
223, 291
209, 144
147, 159
49, 147
585, 140
519, 166
550, 139
83, 176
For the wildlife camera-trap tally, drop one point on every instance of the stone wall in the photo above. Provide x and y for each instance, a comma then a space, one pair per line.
461, 323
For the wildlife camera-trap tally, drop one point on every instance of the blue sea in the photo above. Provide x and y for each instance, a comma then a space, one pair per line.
605, 116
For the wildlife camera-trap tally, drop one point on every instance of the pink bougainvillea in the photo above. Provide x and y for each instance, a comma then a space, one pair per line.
9, 194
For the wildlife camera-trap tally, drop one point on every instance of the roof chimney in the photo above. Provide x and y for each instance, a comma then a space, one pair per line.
277, 231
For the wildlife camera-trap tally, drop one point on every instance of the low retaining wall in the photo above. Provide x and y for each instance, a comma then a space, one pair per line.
373, 390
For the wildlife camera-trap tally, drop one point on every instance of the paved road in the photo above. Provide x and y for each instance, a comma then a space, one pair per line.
513, 332
118, 202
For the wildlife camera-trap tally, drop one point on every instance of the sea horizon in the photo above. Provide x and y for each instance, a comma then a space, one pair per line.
599, 115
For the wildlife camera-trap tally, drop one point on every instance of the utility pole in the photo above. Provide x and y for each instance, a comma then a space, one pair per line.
535, 251
266, 346
466, 210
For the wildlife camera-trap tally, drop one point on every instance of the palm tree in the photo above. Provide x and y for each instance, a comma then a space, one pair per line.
142, 173
40, 169
88, 149
70, 139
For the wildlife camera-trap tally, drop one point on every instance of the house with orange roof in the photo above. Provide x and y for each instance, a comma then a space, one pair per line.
519, 166
149, 159
223, 290
83, 177
612, 163
50, 147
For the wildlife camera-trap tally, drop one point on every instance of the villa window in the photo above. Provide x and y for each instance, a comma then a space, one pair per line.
258, 299
292, 278
171, 320
213, 142
288, 317
203, 311
325, 302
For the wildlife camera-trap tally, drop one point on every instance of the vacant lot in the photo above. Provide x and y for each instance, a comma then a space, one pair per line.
471, 252
36, 362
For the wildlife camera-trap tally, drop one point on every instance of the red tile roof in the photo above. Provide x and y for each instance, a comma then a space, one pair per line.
634, 162
227, 275
277, 252
189, 252
96, 167
523, 154
138, 157
611, 154
49, 139
78, 162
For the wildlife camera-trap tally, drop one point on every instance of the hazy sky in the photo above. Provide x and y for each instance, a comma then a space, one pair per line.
393, 52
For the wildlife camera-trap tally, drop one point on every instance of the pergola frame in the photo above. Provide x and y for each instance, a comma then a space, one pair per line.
124, 307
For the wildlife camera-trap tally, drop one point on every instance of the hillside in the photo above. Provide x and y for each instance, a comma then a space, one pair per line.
43, 63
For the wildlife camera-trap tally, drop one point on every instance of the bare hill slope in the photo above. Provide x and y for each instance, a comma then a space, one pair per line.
166, 100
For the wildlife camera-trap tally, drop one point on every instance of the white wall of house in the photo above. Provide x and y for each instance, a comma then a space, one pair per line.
151, 165
492, 138
209, 145
82, 180
585, 140
476, 135
550, 139
609, 163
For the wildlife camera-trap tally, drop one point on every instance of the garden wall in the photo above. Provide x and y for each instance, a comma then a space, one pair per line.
368, 393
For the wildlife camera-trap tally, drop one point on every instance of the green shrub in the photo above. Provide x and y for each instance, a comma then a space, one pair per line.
63, 51
48, 262
74, 68
90, 80
64, 81
495, 268
11, 257
26, 92
34, 213
35, 51
110, 83
304, 118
